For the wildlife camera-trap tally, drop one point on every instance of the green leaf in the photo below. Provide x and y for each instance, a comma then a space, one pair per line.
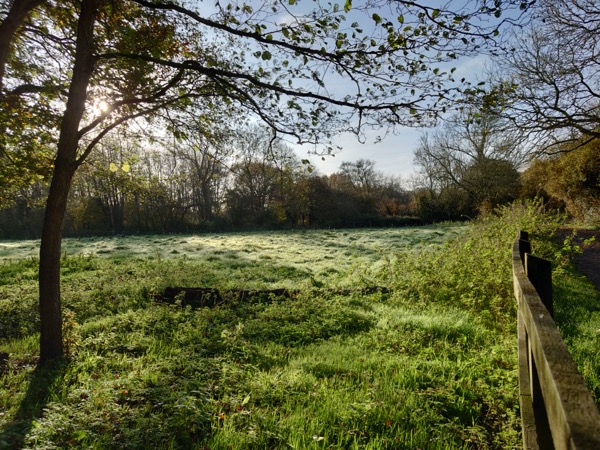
377, 18
348, 6
401, 19
79, 435
292, 2
246, 399
266, 55
113, 167
435, 13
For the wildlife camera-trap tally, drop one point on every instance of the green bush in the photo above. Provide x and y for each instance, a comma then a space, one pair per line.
474, 270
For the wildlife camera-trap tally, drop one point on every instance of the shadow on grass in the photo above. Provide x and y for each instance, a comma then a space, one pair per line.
12, 435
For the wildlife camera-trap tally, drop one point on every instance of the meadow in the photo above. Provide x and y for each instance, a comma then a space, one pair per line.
260, 259
429, 363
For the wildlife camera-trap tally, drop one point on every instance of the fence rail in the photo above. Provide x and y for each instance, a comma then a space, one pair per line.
557, 410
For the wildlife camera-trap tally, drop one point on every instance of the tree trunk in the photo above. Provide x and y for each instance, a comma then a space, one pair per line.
64, 168
50, 250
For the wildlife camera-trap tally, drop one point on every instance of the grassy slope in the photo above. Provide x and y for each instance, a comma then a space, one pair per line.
430, 366
577, 314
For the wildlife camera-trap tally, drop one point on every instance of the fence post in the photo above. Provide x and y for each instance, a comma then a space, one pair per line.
539, 272
563, 415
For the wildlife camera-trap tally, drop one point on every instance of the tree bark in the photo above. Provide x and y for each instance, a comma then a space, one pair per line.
64, 168
9, 26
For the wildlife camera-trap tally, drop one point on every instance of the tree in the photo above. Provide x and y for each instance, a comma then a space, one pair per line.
91, 26
571, 178
263, 177
206, 169
373, 192
361, 176
552, 74
475, 152
104, 181
26, 140
109, 63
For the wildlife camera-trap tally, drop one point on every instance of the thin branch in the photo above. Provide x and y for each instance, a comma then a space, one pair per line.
215, 72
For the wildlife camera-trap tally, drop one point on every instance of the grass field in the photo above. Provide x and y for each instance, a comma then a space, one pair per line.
430, 365
281, 259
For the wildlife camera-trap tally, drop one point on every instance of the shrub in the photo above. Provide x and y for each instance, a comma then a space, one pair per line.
474, 270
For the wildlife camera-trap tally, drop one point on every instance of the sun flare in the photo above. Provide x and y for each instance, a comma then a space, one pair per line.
100, 107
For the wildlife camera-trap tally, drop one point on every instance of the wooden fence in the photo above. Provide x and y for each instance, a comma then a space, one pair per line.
557, 410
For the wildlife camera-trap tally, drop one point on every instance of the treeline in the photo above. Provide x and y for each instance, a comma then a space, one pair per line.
247, 181
478, 160
244, 182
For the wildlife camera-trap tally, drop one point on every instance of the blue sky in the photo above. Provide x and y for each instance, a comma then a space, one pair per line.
394, 154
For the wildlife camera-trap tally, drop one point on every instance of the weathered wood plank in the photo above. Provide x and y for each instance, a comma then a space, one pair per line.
525, 398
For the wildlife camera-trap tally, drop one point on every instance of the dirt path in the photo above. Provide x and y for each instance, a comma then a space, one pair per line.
588, 263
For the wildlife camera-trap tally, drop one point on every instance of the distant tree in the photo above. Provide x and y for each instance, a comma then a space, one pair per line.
361, 175
105, 180
392, 198
206, 171
449, 203
324, 209
21, 216
263, 179
475, 152
375, 193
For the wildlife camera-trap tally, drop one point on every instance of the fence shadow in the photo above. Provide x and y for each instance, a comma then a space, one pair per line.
12, 435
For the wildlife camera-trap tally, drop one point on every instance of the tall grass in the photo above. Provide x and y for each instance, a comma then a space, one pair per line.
430, 365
